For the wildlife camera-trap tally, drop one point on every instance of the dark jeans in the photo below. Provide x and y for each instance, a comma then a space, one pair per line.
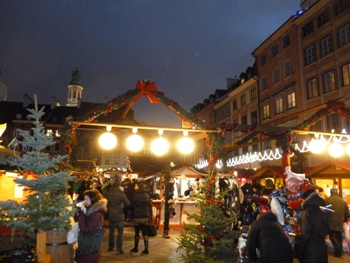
336, 238
119, 224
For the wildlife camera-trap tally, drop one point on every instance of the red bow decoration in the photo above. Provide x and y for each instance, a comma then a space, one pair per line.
146, 89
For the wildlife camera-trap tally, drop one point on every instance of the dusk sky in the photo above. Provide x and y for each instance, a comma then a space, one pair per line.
187, 47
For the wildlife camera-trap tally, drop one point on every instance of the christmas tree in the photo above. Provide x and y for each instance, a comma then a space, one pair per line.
47, 205
212, 238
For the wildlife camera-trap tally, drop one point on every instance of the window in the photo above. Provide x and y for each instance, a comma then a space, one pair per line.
264, 85
243, 99
276, 75
312, 89
341, 6
267, 145
333, 123
345, 71
288, 68
286, 41
107, 159
291, 100
329, 81
278, 106
57, 146
244, 120
253, 94
255, 147
308, 29
116, 160
49, 131
275, 50
262, 60
254, 117
323, 18
234, 104
326, 46
310, 55
266, 112
344, 35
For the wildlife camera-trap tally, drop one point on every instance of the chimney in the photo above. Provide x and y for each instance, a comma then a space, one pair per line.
27, 100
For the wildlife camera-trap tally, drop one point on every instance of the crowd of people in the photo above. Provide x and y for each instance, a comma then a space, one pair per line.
278, 234
116, 200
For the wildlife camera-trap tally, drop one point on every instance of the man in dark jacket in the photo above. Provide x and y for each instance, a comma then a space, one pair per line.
312, 246
267, 235
116, 202
336, 220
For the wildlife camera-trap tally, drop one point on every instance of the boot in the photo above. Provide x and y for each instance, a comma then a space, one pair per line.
146, 247
136, 244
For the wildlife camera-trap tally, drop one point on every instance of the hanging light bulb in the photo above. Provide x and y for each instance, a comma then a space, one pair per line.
134, 142
335, 149
185, 145
108, 140
347, 148
160, 146
316, 145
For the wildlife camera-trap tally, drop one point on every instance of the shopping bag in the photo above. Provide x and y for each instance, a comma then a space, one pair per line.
72, 235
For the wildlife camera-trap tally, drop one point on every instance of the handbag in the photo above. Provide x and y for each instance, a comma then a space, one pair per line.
90, 243
152, 230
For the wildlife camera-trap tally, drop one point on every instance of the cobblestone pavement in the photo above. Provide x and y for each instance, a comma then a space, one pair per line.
163, 250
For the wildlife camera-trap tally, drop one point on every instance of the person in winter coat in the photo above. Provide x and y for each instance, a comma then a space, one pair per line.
142, 216
129, 191
117, 200
268, 236
90, 219
336, 220
312, 247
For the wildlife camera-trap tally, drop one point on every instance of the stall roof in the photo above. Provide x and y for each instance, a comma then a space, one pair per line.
268, 171
187, 172
329, 167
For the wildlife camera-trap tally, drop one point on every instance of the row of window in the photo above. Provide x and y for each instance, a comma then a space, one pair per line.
275, 49
326, 45
325, 17
276, 74
328, 81
279, 105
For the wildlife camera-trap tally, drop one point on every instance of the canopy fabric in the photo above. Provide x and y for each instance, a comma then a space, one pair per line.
187, 172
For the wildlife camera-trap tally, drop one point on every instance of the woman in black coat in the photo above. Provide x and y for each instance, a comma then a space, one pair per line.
312, 246
267, 235
142, 215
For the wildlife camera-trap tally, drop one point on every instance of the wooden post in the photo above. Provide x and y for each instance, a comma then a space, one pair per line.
41, 246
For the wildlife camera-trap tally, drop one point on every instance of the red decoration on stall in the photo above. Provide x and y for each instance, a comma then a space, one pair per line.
30, 173
67, 146
110, 105
147, 89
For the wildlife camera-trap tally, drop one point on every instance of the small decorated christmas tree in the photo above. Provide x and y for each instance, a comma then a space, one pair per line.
212, 238
47, 205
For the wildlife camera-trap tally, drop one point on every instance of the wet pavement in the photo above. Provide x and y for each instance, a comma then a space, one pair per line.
163, 250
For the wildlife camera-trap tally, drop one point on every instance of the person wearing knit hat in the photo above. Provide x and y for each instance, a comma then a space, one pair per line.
312, 246
336, 220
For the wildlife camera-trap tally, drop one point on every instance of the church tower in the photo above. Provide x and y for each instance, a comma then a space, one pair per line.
75, 89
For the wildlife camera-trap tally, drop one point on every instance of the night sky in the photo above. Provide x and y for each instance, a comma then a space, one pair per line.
187, 47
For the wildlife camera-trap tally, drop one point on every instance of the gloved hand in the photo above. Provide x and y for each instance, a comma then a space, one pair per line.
82, 206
